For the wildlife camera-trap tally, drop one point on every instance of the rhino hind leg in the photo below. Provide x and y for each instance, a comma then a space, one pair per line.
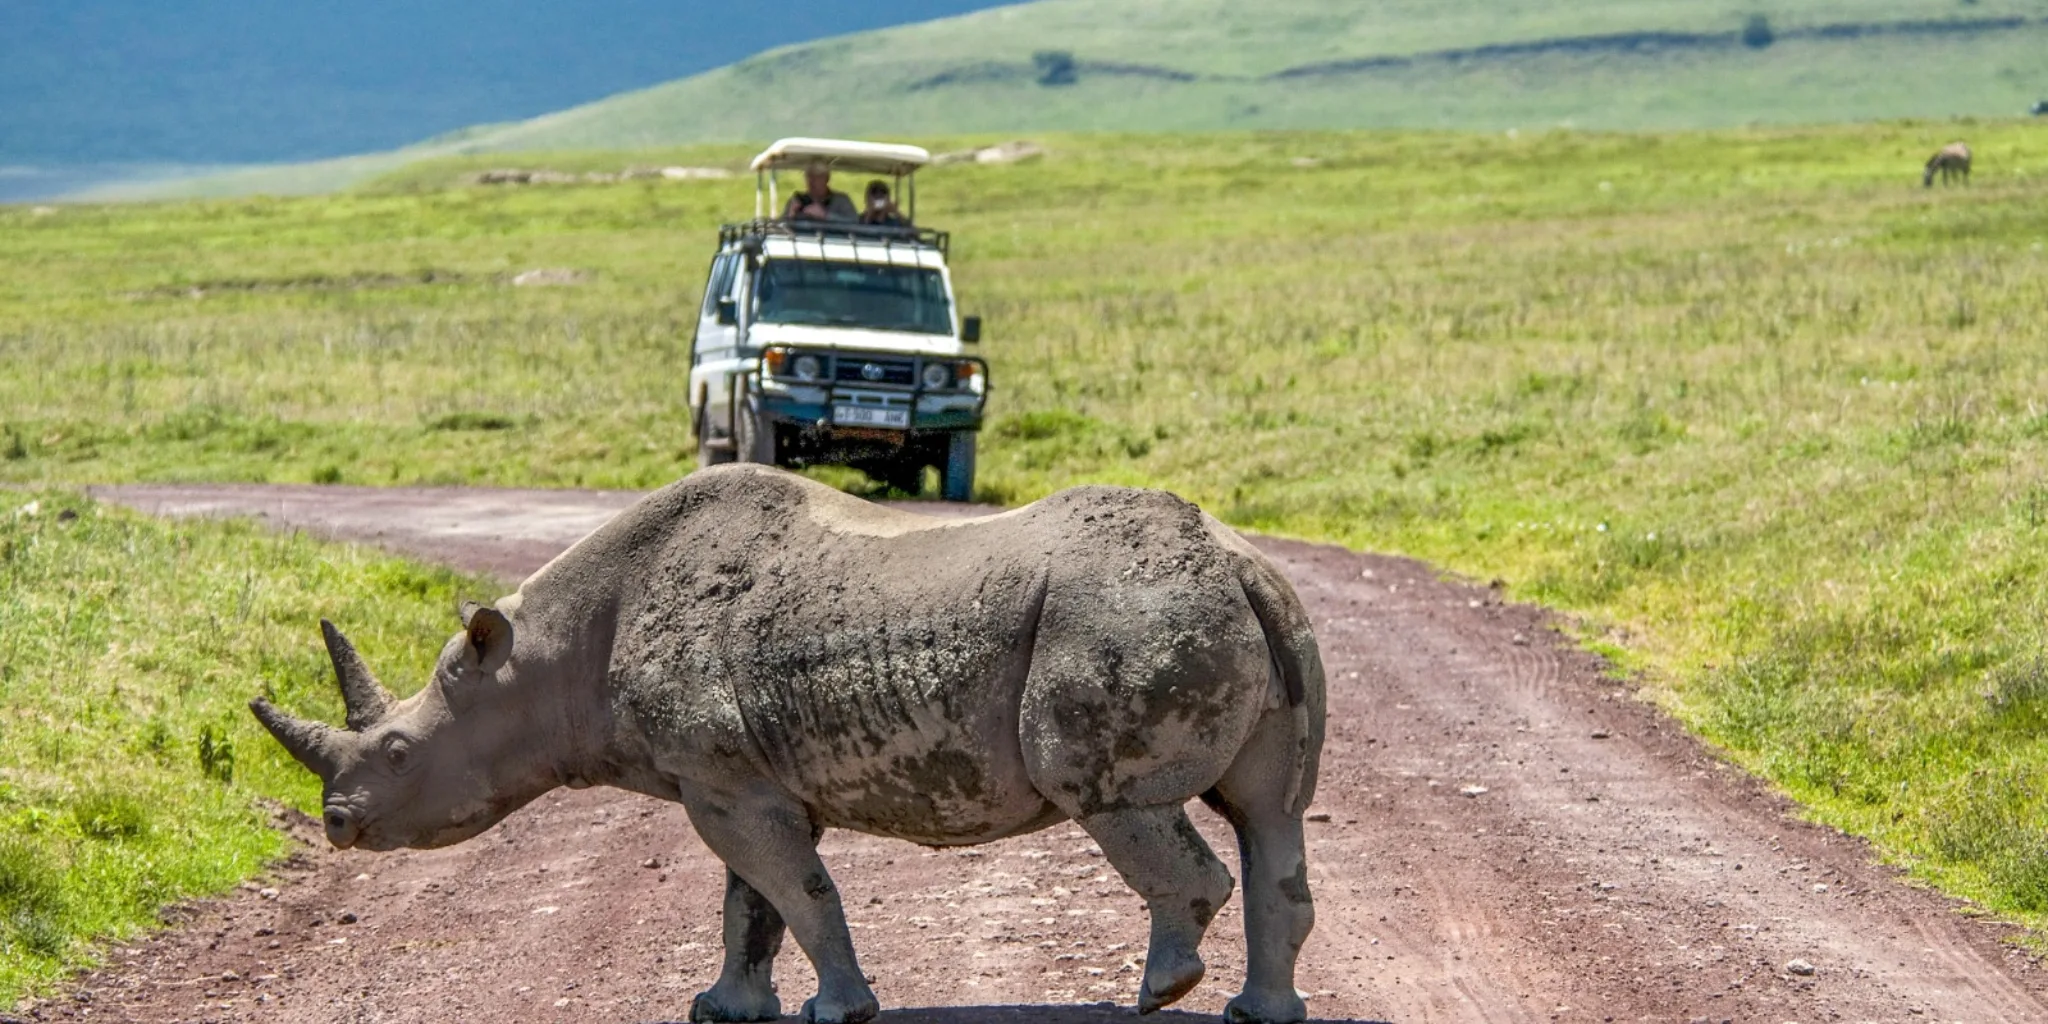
745, 990
770, 845
1162, 857
1259, 796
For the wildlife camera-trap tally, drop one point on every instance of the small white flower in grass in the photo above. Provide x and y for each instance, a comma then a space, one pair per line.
1602, 528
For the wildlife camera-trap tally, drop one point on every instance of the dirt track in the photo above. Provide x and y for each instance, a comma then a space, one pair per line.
1610, 870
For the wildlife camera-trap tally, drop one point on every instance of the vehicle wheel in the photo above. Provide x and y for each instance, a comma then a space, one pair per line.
753, 437
708, 454
956, 477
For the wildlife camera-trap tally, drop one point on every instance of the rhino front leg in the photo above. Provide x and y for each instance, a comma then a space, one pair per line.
753, 936
1159, 854
768, 843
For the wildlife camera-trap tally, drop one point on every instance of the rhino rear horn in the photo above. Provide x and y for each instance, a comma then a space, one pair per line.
366, 699
313, 744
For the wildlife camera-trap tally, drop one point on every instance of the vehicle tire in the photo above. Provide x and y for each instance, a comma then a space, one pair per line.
707, 453
956, 477
753, 437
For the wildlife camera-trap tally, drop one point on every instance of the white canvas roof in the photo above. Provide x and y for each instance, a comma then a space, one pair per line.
842, 154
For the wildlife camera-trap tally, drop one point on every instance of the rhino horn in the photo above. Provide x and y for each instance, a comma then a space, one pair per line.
366, 699
313, 744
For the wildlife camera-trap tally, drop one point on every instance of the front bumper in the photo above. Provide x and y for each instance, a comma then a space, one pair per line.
808, 407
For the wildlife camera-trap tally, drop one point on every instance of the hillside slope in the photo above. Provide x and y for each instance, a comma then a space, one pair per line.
1194, 64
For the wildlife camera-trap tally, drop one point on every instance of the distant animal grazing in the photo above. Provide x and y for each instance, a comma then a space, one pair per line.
781, 658
1951, 162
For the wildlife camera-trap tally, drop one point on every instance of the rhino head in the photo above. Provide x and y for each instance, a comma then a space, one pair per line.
431, 770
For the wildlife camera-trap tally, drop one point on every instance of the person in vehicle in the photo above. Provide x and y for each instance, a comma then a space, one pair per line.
818, 201
880, 209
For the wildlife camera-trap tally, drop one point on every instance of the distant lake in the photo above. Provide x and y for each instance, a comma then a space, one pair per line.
27, 184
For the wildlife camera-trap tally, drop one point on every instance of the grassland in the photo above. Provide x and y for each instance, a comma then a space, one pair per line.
1764, 413
1206, 65
130, 775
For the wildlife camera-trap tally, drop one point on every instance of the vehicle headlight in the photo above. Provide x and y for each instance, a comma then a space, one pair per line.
938, 375
807, 368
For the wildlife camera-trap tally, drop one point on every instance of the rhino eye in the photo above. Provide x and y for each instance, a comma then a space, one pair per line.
398, 754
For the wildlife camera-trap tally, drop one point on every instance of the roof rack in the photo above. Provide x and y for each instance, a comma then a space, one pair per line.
821, 230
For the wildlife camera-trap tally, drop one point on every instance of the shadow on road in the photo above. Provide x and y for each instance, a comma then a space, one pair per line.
1099, 1013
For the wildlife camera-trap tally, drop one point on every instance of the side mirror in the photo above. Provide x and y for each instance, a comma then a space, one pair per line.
970, 329
728, 311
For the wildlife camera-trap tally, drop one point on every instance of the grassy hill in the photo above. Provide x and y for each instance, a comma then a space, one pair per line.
1173, 65
1488, 64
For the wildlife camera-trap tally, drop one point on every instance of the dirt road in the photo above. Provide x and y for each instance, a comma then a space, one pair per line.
1502, 834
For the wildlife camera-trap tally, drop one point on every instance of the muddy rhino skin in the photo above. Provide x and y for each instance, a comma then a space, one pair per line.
781, 658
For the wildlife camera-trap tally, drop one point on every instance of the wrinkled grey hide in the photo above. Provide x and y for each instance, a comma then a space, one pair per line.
781, 659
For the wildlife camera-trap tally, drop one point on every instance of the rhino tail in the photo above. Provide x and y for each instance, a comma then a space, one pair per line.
1289, 639
1297, 663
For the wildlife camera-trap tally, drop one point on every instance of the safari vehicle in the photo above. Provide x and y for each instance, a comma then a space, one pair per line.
830, 342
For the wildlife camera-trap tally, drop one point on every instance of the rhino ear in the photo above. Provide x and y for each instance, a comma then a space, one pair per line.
490, 636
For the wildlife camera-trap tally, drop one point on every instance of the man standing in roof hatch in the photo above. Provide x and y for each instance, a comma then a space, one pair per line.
818, 201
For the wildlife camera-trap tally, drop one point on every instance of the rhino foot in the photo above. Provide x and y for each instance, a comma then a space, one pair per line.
1167, 979
854, 1011
1251, 1008
721, 1005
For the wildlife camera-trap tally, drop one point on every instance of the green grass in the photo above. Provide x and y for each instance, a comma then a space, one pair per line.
130, 774
1762, 411
1206, 65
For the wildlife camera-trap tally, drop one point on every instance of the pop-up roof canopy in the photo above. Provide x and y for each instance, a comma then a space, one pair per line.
842, 154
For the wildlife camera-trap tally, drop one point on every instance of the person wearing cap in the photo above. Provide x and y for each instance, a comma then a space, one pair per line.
881, 208
818, 201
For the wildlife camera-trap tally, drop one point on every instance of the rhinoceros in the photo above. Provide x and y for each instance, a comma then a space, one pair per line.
781, 658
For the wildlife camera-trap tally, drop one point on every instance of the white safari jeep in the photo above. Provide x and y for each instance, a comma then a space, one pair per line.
829, 341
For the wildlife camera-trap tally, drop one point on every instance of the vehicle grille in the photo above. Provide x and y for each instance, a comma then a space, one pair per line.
902, 372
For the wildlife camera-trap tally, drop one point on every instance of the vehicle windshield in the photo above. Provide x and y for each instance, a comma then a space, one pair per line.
864, 295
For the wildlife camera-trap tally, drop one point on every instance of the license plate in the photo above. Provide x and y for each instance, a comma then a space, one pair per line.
871, 416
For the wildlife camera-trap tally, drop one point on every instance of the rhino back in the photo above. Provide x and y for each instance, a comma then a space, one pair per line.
876, 663
866, 662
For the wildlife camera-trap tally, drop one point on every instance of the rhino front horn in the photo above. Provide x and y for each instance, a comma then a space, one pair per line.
312, 744
366, 699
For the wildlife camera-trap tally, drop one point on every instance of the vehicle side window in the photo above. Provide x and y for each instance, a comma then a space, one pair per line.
719, 285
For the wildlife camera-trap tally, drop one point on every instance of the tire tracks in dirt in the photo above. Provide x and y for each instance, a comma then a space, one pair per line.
1502, 834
